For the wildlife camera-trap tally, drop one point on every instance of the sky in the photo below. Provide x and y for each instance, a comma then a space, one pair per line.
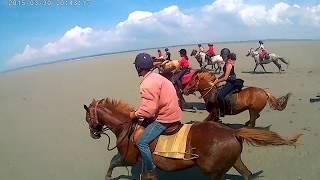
49, 30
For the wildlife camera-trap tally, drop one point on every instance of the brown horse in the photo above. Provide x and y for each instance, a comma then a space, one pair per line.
218, 147
252, 98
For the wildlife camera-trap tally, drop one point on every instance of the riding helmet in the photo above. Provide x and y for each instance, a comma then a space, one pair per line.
166, 49
183, 52
199, 45
225, 52
260, 42
142, 62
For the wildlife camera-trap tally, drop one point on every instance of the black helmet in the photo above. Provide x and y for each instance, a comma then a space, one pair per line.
233, 56
142, 62
183, 52
199, 45
166, 49
224, 53
159, 50
260, 42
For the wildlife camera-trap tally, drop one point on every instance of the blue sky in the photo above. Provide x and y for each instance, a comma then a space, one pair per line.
33, 34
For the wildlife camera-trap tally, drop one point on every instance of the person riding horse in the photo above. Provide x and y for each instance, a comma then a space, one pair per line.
160, 56
228, 75
263, 52
210, 53
184, 68
159, 101
168, 54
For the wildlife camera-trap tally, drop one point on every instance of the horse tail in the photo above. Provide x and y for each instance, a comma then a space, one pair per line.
278, 104
258, 137
284, 61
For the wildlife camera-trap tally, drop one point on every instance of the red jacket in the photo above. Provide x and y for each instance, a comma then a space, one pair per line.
211, 50
184, 62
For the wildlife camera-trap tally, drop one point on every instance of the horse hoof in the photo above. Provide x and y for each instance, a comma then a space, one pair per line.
108, 178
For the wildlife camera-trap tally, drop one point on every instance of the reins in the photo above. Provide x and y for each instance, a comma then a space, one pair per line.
106, 129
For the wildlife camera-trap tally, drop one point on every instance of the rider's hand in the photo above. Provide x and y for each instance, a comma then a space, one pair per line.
133, 115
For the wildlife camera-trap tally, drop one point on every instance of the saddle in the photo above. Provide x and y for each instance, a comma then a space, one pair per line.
266, 59
187, 77
230, 99
138, 128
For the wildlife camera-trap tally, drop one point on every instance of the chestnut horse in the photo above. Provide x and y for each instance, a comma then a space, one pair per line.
218, 147
252, 98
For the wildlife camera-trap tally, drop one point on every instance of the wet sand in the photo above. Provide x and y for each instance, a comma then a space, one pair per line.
44, 134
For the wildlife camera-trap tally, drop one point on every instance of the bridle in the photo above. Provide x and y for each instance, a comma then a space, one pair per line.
207, 89
105, 129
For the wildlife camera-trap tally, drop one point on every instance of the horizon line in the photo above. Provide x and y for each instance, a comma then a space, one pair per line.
81, 58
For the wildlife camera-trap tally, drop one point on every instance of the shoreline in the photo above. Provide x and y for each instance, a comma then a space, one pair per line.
86, 57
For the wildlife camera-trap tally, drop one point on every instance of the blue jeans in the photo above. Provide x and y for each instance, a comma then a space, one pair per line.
176, 79
223, 92
152, 131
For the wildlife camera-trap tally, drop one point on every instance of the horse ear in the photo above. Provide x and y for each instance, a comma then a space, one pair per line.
86, 107
93, 100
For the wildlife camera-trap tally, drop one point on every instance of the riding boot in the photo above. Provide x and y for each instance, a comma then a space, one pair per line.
222, 109
149, 175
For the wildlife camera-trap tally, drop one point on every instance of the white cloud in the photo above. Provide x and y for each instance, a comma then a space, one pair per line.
220, 20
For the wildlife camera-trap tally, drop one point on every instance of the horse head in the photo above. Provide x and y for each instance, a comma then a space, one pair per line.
199, 80
193, 52
252, 52
106, 113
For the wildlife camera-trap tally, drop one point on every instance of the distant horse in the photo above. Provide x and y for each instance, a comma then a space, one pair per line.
272, 58
215, 60
217, 146
168, 69
252, 98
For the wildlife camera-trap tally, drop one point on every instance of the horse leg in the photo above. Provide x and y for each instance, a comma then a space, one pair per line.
212, 117
116, 161
254, 70
253, 116
219, 175
242, 169
278, 65
263, 68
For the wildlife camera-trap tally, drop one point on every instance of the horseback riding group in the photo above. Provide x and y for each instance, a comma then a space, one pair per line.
153, 132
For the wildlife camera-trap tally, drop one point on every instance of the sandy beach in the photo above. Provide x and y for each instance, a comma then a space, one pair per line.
44, 135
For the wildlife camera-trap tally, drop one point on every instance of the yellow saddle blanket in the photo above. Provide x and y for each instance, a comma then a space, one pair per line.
174, 146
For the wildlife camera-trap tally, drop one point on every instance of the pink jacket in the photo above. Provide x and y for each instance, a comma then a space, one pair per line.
158, 99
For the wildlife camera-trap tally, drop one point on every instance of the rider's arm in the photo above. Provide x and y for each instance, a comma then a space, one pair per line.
225, 76
149, 101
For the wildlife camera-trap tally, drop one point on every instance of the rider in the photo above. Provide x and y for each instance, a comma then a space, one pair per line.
210, 52
168, 54
158, 101
184, 68
228, 75
263, 52
202, 52
160, 56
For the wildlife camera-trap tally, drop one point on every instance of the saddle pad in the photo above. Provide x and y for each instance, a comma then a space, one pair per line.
173, 146
187, 77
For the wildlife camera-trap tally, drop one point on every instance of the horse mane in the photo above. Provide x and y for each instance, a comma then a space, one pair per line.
204, 74
117, 106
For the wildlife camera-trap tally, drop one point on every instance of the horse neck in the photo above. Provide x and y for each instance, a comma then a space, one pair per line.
205, 90
117, 124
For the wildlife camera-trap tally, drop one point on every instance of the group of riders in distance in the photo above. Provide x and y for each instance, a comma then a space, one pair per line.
161, 108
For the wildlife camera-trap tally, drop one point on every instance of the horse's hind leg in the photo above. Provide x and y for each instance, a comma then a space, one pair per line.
253, 117
278, 65
116, 161
242, 169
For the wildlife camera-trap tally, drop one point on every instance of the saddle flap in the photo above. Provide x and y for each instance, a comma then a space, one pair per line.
187, 77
